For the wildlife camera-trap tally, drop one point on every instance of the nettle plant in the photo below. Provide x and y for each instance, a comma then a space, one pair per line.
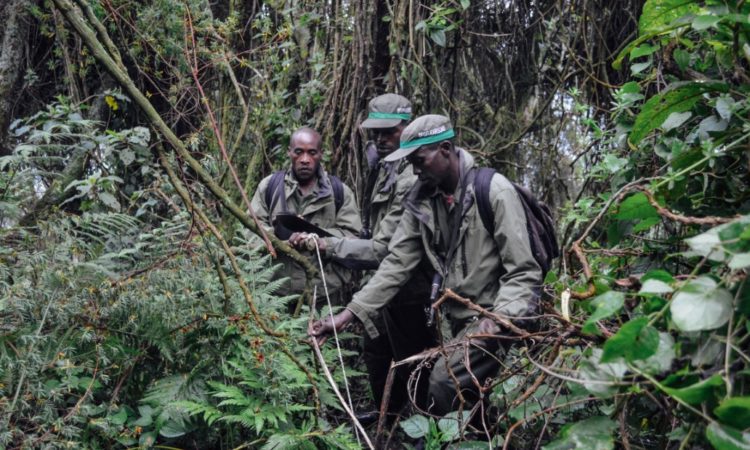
669, 251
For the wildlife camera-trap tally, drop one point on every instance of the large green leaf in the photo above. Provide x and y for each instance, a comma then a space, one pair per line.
727, 438
595, 376
676, 120
707, 244
739, 261
450, 425
416, 426
697, 393
661, 361
655, 287
734, 411
721, 242
735, 235
703, 22
636, 206
701, 305
658, 274
606, 304
594, 433
678, 98
659, 17
658, 14
635, 340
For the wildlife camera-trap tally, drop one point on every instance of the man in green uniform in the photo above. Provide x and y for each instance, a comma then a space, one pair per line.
442, 224
401, 327
308, 191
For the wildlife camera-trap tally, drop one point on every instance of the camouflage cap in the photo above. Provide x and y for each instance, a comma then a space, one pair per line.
424, 130
386, 111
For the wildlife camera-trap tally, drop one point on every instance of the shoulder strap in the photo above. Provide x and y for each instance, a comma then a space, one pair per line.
338, 191
275, 190
372, 177
482, 182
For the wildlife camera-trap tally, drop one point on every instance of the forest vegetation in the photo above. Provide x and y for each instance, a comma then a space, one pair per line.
137, 304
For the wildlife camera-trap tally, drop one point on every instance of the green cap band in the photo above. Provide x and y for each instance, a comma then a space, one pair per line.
447, 134
382, 115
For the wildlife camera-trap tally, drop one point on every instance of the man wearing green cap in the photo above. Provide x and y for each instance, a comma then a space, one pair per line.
401, 327
442, 224
307, 190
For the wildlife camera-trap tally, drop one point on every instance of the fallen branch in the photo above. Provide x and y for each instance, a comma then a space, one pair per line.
502, 320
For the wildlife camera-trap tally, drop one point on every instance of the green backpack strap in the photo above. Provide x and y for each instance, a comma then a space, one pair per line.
275, 191
338, 191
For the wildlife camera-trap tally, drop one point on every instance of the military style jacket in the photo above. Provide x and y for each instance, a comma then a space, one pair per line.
319, 208
393, 182
496, 271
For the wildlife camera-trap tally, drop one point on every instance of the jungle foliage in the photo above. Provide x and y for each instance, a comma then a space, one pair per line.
138, 304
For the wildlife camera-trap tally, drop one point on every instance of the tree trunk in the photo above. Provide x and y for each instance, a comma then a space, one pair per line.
14, 28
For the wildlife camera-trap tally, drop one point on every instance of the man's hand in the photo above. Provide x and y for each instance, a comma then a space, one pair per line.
320, 329
303, 241
488, 326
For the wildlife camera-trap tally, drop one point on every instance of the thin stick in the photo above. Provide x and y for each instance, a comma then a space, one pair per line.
384, 403
504, 321
341, 398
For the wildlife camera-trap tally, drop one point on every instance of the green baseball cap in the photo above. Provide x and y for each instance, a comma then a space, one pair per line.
386, 111
424, 130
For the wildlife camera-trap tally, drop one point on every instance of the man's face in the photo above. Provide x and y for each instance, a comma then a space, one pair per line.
430, 164
387, 139
305, 153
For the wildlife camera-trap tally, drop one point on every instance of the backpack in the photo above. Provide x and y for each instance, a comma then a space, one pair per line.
539, 223
275, 190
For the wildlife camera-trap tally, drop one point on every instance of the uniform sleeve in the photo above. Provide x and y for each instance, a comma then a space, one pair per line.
522, 279
358, 254
405, 251
367, 253
390, 222
348, 223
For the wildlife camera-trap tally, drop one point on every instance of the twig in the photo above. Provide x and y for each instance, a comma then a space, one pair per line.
502, 320
624, 426
664, 212
217, 132
335, 388
384, 403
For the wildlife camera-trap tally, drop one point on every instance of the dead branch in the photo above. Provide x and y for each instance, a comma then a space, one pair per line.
502, 320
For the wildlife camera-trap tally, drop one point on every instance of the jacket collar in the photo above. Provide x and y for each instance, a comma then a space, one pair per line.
322, 188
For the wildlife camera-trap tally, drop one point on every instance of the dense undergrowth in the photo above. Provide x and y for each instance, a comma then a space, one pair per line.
126, 321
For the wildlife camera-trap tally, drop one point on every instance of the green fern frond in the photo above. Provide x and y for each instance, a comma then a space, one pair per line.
174, 388
247, 422
208, 412
284, 442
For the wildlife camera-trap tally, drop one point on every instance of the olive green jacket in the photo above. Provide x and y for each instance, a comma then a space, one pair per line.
498, 271
393, 182
318, 208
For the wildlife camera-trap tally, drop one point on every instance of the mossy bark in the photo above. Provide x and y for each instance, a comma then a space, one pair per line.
14, 28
